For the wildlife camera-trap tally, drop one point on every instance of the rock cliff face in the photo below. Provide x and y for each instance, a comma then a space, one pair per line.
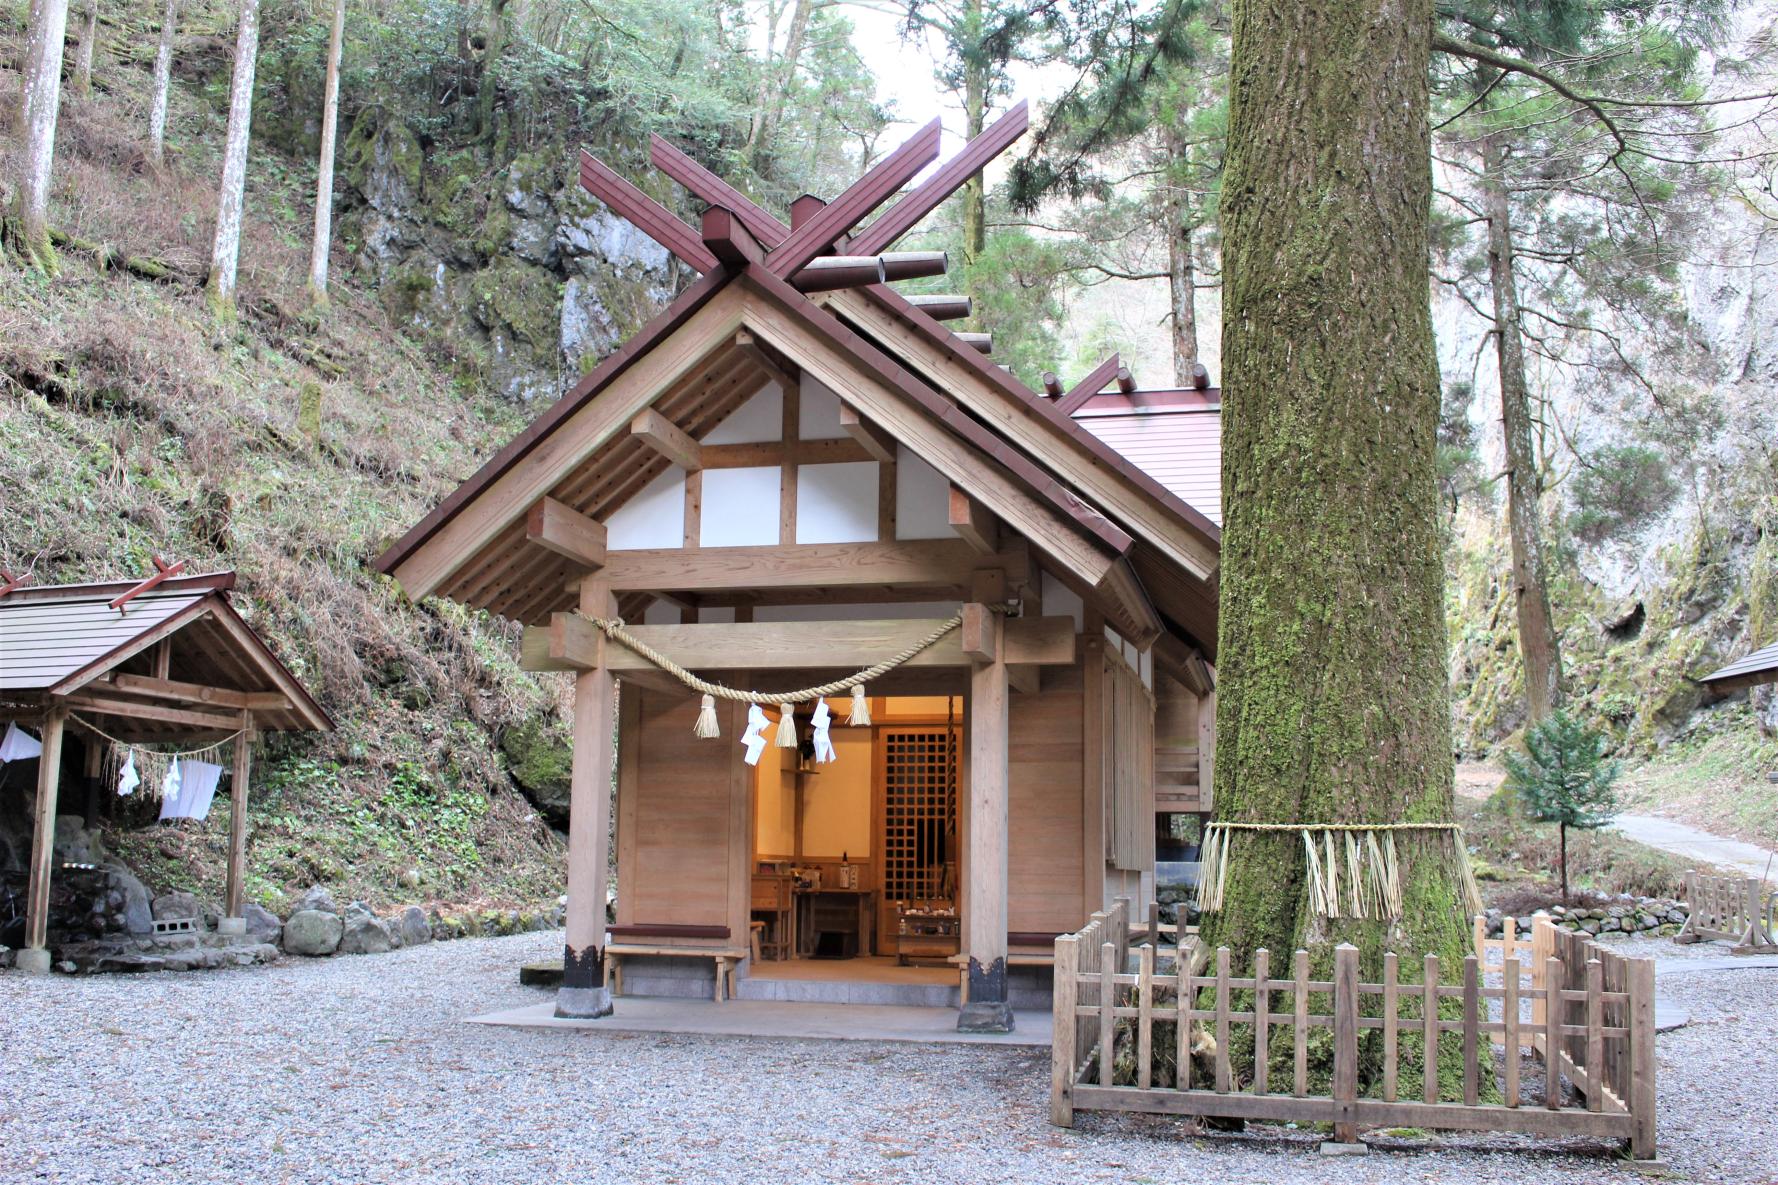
1646, 611
525, 279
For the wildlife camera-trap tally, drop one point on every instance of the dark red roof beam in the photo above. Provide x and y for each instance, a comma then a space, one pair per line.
901, 217
8, 581
1090, 386
649, 216
943, 308
839, 216
162, 571
713, 189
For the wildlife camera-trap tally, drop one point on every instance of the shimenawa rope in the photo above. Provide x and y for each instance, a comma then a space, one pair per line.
1364, 854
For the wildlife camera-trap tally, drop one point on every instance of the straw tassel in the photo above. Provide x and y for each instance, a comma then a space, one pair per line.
787, 727
706, 727
860, 714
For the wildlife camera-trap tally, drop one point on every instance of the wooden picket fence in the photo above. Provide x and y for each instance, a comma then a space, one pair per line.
1741, 910
1592, 1006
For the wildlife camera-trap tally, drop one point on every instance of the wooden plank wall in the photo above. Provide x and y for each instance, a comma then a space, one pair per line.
1128, 712
1045, 756
682, 817
1176, 712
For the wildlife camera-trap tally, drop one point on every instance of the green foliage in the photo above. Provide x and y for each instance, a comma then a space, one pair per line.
1622, 489
1564, 777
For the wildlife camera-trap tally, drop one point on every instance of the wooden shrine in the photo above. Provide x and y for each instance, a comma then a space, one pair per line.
155, 662
790, 475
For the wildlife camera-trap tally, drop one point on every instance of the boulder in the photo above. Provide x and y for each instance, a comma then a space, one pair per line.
317, 898
177, 905
263, 925
365, 933
313, 932
413, 926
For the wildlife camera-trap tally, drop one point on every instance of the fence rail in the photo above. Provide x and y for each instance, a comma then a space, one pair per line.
1739, 909
1243, 1042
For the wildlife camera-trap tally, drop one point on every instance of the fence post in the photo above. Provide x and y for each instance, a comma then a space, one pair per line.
1693, 907
1345, 1029
1064, 1028
1429, 1029
1107, 1007
1642, 1058
1144, 1015
1472, 1008
1552, 1033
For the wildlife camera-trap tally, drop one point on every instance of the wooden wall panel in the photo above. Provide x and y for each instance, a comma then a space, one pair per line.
1046, 854
677, 794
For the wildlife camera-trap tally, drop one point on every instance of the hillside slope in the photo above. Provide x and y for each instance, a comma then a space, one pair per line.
290, 447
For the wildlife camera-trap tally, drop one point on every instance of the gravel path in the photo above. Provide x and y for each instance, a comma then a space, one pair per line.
360, 1070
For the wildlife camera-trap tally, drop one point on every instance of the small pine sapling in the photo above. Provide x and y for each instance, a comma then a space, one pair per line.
1563, 777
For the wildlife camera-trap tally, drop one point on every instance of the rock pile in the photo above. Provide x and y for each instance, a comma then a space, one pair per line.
318, 927
1623, 915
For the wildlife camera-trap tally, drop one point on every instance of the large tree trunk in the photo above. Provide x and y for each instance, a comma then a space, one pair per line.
1332, 705
1539, 648
83, 57
225, 254
163, 79
330, 118
26, 233
977, 77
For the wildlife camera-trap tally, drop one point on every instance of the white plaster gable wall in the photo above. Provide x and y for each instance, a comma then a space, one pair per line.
1059, 599
655, 517
760, 418
836, 503
818, 412
922, 499
740, 507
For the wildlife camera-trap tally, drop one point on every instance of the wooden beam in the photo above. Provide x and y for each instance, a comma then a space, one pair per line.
90, 701
925, 562
237, 821
729, 240
560, 528
973, 524
766, 361
197, 693
979, 635
43, 829
162, 571
1183, 663
775, 452
713, 189
839, 216
942, 307
1026, 680
840, 271
987, 842
583, 992
1133, 614
571, 643
646, 214
666, 438
914, 265
878, 443
1089, 386
900, 218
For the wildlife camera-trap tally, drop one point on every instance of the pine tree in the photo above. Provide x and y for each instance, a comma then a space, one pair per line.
1563, 777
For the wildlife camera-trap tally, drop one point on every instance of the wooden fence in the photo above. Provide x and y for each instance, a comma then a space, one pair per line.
1739, 909
1115, 1000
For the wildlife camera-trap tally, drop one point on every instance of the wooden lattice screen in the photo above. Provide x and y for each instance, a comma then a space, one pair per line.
1127, 724
919, 811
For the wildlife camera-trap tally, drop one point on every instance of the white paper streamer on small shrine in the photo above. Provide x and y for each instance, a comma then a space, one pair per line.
128, 766
19, 745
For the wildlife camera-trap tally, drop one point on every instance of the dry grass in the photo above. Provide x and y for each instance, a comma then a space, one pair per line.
132, 422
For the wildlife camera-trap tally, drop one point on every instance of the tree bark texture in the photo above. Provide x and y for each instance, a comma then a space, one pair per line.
977, 77
1181, 275
83, 57
163, 79
330, 118
1539, 648
226, 252
45, 38
1332, 704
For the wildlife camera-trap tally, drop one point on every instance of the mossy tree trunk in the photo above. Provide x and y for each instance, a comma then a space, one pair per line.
1182, 277
1539, 648
26, 231
1332, 698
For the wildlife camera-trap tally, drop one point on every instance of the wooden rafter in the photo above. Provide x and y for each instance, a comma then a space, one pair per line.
876, 442
1090, 386
861, 197
162, 571
974, 524
566, 532
666, 438
8, 581
648, 215
903, 215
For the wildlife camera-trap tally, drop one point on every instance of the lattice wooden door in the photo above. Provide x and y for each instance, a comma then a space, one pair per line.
919, 819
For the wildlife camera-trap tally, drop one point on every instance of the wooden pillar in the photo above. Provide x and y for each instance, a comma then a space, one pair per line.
583, 993
35, 956
987, 1009
237, 827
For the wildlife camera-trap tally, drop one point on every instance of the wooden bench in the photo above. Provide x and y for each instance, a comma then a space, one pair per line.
633, 940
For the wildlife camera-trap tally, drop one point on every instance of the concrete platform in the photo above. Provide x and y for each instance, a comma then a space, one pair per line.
781, 1021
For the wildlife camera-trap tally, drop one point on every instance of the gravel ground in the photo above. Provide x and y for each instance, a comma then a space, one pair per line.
360, 1070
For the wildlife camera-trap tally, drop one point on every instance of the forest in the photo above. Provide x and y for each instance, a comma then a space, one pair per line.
279, 274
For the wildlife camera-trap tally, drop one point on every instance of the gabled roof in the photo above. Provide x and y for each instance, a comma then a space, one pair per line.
1174, 436
1759, 667
56, 640
1095, 514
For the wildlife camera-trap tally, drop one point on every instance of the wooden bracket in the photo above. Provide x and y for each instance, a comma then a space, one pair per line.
872, 439
558, 527
775, 370
975, 525
163, 571
667, 439
729, 240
